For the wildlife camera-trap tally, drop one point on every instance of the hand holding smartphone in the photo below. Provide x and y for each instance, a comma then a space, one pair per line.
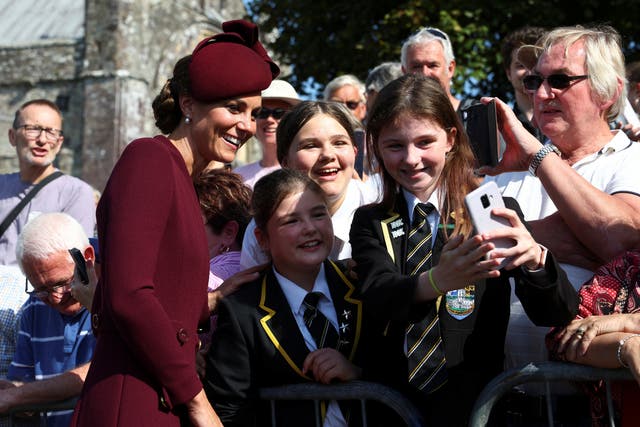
479, 203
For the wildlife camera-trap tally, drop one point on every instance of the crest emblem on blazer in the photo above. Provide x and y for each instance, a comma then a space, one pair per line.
461, 302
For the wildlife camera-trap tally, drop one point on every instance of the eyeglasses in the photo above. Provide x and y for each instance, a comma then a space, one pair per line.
59, 288
351, 105
557, 81
34, 131
276, 113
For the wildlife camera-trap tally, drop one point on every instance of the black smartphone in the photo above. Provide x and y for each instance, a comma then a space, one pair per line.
481, 124
81, 265
360, 156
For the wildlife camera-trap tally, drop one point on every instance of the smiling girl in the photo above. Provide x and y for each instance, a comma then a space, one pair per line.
264, 337
317, 138
427, 162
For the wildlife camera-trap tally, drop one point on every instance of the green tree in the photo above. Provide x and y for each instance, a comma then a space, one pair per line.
322, 39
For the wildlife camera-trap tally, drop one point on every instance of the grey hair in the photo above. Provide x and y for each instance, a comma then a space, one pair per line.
427, 35
343, 80
381, 75
604, 61
47, 234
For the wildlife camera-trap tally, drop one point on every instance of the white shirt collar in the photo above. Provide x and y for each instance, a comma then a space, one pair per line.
295, 294
619, 142
412, 201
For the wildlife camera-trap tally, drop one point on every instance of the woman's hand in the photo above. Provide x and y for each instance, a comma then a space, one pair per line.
201, 363
525, 251
200, 412
577, 336
630, 354
232, 284
521, 145
84, 293
461, 263
328, 364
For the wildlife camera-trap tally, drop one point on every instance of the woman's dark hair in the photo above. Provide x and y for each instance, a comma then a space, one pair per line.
166, 105
421, 97
272, 189
224, 197
295, 119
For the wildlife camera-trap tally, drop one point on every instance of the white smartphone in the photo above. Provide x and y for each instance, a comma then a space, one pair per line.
479, 203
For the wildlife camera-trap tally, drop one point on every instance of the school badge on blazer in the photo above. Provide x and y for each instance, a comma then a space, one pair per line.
461, 302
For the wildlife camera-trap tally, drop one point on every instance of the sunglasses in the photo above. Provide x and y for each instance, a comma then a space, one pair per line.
437, 33
557, 81
265, 112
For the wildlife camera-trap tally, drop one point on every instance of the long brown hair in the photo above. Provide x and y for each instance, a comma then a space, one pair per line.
423, 97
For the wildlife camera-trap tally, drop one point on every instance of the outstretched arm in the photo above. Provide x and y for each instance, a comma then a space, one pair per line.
61, 387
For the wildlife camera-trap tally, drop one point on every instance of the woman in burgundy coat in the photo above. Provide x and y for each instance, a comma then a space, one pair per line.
153, 289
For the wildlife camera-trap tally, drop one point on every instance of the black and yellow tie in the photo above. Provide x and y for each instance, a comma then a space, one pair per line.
322, 331
425, 351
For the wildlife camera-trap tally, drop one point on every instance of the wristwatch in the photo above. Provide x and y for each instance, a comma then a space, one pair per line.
541, 154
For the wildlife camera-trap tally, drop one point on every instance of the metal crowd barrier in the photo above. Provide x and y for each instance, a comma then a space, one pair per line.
546, 372
353, 390
39, 408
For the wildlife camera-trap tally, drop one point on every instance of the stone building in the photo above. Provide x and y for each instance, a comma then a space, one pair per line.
102, 62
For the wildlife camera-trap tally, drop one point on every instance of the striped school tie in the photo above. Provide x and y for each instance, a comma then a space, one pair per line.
425, 351
322, 331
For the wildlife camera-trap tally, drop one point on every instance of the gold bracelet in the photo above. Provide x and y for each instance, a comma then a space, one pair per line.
621, 344
433, 284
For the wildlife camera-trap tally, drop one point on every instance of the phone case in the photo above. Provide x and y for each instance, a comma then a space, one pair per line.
479, 203
81, 265
480, 123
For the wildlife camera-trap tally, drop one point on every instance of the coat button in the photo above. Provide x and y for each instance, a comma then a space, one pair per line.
182, 335
95, 321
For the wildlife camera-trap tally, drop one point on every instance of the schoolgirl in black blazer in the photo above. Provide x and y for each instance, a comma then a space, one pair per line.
424, 155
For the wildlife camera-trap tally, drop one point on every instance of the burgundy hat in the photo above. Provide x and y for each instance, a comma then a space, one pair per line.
230, 64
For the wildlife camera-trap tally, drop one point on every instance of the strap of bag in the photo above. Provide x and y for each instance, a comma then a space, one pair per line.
30, 195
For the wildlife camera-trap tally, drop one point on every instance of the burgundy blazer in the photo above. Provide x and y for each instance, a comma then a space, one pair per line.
152, 292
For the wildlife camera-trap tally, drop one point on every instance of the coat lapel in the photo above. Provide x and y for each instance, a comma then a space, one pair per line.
348, 309
395, 232
280, 325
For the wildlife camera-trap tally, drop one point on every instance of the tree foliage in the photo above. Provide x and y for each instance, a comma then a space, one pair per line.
322, 39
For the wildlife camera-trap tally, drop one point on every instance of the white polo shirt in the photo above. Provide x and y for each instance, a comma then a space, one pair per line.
613, 169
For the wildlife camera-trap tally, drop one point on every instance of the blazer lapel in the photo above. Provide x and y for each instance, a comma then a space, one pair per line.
394, 233
348, 309
280, 325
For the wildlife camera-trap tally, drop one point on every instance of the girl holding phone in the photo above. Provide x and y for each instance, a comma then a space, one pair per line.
426, 162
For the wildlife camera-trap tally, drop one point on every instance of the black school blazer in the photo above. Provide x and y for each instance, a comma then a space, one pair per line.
474, 345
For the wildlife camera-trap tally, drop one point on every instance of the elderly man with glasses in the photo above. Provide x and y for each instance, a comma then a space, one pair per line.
55, 343
581, 191
348, 90
37, 136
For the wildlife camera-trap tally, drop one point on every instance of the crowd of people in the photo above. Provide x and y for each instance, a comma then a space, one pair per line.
346, 252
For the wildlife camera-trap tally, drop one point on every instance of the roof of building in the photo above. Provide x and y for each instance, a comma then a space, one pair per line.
33, 21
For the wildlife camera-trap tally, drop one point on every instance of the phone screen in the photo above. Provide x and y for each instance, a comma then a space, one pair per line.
481, 124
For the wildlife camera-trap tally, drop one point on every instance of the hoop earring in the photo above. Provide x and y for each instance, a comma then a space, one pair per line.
187, 120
